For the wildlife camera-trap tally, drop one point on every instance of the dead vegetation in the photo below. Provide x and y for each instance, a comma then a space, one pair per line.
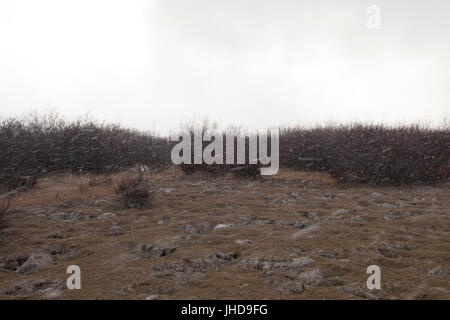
134, 190
4, 207
296, 235
37, 146
93, 181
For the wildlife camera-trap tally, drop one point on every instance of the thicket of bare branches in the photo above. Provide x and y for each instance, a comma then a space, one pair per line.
370, 153
39, 145
33, 147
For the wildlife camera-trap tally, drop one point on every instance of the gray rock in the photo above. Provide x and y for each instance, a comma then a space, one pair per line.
52, 293
399, 204
251, 263
357, 219
341, 211
227, 257
358, 292
222, 225
242, 241
311, 277
301, 262
106, 215
116, 230
438, 271
197, 228
309, 215
292, 287
144, 250
15, 261
305, 231
391, 215
35, 261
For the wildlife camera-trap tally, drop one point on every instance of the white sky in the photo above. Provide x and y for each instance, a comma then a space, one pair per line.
155, 64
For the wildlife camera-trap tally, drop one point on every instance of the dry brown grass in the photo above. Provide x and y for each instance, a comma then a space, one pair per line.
406, 248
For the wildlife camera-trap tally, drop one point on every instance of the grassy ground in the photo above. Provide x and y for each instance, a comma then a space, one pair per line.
296, 235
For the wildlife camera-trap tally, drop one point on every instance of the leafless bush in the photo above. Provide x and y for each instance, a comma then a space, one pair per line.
38, 145
4, 207
370, 153
134, 190
366, 153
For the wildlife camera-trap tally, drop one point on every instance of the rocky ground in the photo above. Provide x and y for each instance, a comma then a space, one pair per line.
292, 236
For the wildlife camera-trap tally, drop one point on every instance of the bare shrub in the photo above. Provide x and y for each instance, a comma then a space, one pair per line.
134, 190
361, 152
370, 153
38, 145
4, 207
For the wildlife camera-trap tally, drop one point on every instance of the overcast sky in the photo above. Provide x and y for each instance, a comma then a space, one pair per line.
155, 64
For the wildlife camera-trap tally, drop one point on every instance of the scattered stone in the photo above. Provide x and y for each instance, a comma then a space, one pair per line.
52, 293
222, 225
165, 190
152, 297
438, 271
311, 277
305, 231
34, 262
228, 257
197, 228
15, 261
358, 219
106, 215
399, 204
308, 215
376, 194
53, 250
397, 245
253, 220
251, 263
144, 250
116, 230
391, 215
292, 287
358, 292
301, 262
242, 241
341, 211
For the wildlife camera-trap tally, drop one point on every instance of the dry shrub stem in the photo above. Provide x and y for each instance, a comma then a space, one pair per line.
4, 207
